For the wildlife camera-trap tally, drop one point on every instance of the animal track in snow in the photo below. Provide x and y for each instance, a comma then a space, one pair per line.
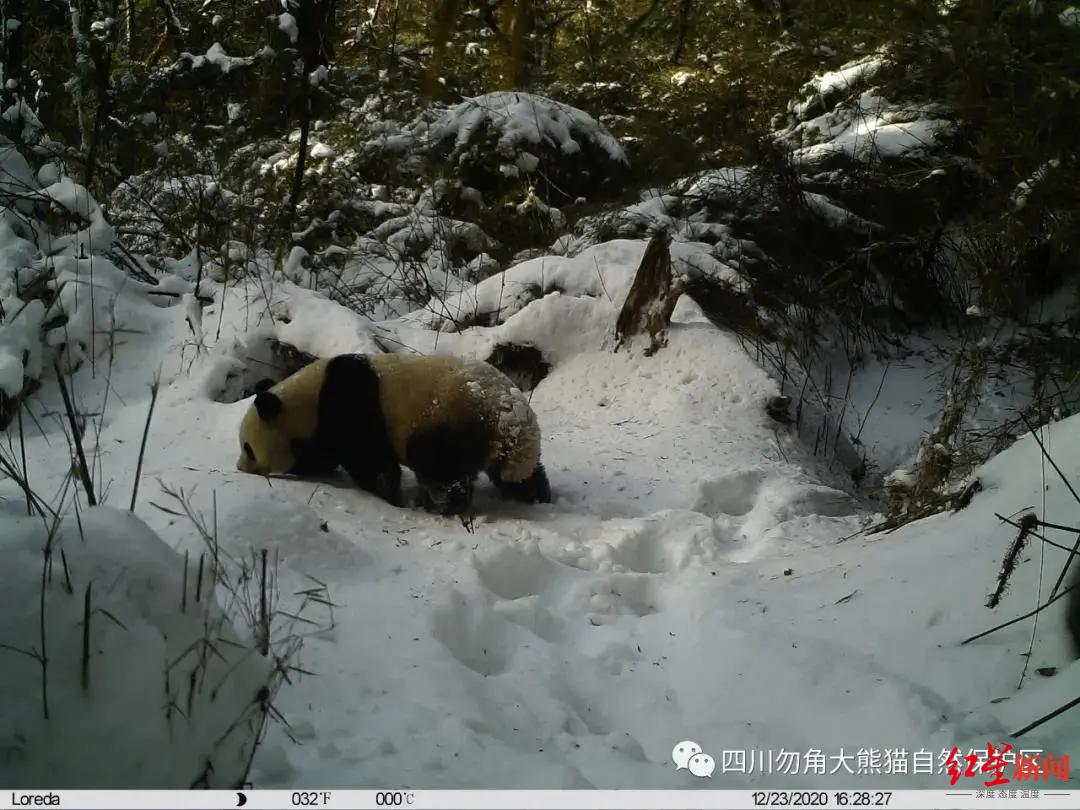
475, 634
641, 549
637, 592
516, 571
602, 599
733, 494
589, 713
661, 543
814, 499
529, 613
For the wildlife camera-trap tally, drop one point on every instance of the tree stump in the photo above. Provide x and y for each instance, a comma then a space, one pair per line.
651, 299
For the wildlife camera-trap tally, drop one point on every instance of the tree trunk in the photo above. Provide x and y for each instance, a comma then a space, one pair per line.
314, 22
521, 19
13, 50
684, 25
442, 23
301, 157
129, 24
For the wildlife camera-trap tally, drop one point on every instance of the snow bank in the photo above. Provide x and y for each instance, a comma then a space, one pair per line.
838, 114
56, 246
165, 695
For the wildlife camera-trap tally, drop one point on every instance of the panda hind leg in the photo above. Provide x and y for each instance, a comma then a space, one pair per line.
446, 461
534, 489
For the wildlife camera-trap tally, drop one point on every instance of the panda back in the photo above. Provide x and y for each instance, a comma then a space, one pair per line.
420, 393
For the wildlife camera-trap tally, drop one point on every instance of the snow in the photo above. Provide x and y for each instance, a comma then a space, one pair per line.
91, 297
681, 77
527, 162
521, 118
1024, 188
670, 212
21, 113
870, 127
295, 268
215, 55
521, 121
17, 176
287, 24
836, 215
151, 707
838, 112
847, 77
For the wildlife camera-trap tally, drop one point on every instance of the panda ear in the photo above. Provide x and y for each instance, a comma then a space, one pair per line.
264, 384
268, 405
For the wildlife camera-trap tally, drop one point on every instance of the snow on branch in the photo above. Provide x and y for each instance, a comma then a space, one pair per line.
191, 70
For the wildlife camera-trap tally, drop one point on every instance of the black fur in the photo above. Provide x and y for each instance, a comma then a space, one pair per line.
268, 405
534, 489
351, 430
443, 455
312, 458
446, 461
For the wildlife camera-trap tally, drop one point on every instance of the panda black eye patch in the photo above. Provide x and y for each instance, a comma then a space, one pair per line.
248, 451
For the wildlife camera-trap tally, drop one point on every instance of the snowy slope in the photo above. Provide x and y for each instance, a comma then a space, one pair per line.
163, 690
697, 577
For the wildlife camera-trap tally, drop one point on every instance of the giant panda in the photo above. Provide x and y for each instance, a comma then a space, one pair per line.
444, 418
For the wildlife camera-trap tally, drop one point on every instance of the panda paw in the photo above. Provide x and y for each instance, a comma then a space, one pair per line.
446, 500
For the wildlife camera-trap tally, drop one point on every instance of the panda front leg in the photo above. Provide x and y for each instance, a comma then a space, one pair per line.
383, 480
445, 499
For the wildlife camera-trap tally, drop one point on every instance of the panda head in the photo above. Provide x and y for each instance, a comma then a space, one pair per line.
266, 440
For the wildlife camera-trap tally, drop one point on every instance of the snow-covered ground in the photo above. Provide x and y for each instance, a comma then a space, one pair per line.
699, 576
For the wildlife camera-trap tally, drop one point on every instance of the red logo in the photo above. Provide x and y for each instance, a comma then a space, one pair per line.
1036, 768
